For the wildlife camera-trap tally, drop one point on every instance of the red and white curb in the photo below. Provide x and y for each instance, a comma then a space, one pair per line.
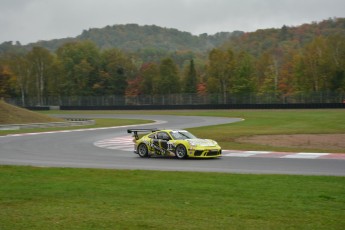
125, 143
120, 143
269, 154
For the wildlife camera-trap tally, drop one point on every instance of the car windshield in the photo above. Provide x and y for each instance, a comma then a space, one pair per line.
182, 135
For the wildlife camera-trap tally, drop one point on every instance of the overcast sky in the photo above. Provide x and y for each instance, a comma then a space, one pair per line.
32, 20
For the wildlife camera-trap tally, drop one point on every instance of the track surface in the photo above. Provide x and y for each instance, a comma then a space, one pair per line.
77, 149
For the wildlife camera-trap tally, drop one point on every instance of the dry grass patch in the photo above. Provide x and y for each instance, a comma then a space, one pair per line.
312, 141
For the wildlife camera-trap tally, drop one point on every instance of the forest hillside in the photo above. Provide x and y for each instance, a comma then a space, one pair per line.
303, 63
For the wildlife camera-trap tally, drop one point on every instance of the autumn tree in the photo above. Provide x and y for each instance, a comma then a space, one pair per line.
285, 83
149, 73
7, 82
221, 70
267, 74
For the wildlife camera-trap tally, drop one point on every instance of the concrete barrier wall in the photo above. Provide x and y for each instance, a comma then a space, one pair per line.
210, 106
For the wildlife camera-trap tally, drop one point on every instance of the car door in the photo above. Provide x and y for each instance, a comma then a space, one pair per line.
163, 140
160, 143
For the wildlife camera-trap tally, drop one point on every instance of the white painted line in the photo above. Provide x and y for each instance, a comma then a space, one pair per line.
259, 152
240, 154
305, 155
131, 149
114, 142
119, 147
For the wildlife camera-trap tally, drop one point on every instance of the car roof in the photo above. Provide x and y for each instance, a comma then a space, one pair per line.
171, 130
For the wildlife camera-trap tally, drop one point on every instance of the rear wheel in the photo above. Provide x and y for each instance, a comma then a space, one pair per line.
142, 150
181, 152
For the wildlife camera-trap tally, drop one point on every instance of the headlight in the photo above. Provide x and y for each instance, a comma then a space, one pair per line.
191, 143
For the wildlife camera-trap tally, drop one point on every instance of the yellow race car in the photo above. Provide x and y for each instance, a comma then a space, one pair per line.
168, 142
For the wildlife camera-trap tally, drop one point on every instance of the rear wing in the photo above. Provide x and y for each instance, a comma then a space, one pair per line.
136, 131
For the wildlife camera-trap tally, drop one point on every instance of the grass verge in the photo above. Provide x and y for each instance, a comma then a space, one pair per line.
63, 198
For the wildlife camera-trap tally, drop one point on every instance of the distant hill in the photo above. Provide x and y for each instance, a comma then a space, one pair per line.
133, 38
10, 114
150, 40
286, 37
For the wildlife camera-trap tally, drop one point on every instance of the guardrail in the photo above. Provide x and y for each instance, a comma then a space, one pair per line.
70, 122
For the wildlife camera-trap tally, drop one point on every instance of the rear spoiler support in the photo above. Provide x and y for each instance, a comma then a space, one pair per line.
135, 132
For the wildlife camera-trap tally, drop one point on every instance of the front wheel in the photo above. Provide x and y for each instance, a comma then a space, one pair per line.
181, 152
142, 150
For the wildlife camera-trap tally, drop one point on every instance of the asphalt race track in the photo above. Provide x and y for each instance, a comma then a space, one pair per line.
77, 149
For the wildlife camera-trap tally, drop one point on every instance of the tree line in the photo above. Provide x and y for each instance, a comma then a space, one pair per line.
80, 68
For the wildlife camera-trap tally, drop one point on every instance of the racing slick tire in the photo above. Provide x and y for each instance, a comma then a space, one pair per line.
181, 152
142, 150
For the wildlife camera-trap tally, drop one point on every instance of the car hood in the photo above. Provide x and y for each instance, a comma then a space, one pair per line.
202, 142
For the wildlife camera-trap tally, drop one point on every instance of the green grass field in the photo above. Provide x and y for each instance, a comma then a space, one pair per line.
62, 198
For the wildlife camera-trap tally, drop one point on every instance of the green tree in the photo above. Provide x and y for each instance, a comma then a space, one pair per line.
80, 64
190, 78
243, 82
168, 82
117, 69
315, 67
41, 61
336, 62
55, 84
21, 68
314, 59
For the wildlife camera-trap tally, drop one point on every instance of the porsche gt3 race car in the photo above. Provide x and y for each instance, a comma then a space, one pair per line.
168, 142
